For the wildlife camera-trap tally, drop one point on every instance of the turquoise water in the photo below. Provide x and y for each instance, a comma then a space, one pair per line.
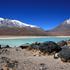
17, 42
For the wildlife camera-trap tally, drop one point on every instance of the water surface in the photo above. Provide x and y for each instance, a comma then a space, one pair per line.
20, 41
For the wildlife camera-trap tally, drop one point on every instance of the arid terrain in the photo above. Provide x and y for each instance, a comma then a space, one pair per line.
23, 59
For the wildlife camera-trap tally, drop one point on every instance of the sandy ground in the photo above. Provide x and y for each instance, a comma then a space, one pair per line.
26, 60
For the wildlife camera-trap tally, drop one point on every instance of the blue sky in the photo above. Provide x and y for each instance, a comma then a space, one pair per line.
46, 14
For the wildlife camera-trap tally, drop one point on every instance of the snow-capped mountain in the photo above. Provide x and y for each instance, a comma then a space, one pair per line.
64, 26
18, 28
14, 23
67, 21
63, 29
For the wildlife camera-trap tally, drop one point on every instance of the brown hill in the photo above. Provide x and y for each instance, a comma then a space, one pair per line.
61, 30
25, 31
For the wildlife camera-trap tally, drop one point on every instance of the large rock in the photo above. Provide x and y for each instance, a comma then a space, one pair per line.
5, 46
64, 54
24, 46
62, 43
49, 47
68, 42
35, 45
0, 46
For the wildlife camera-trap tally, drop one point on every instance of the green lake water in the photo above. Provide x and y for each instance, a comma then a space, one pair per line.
20, 41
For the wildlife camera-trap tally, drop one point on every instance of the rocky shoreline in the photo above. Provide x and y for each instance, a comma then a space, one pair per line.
36, 56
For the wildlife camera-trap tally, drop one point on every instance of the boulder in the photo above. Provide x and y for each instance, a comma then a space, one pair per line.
49, 47
35, 45
68, 42
24, 46
64, 54
5, 46
62, 43
0, 46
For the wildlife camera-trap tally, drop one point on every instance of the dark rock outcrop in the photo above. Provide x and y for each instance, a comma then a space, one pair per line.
24, 46
68, 42
7, 46
64, 54
62, 43
35, 45
49, 47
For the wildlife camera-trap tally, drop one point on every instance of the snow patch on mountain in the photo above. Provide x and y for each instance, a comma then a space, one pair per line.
16, 23
21, 24
68, 21
1, 19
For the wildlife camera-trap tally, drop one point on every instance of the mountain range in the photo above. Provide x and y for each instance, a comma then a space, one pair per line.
18, 28
62, 30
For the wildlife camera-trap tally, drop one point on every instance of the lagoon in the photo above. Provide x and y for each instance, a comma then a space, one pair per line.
17, 41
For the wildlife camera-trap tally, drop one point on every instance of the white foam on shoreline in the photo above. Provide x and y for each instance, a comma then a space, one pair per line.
18, 37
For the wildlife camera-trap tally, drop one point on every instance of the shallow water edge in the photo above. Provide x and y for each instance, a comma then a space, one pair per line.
18, 37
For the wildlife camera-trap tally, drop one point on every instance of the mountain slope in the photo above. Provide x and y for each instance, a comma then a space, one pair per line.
13, 23
61, 30
15, 27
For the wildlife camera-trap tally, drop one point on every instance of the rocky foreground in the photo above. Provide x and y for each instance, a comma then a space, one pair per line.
22, 58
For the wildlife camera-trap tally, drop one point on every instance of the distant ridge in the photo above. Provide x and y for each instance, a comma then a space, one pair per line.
18, 28
62, 30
